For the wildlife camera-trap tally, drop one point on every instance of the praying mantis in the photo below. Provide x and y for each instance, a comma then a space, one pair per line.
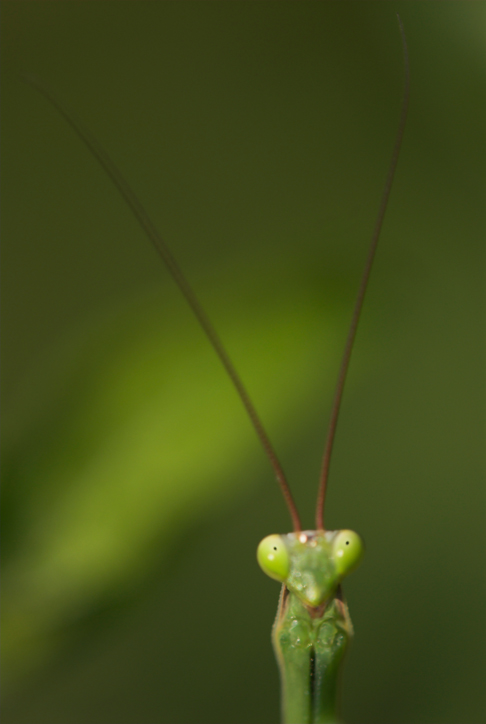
313, 625
258, 136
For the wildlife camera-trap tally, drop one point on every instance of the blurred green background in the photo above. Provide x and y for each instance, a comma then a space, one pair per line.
135, 493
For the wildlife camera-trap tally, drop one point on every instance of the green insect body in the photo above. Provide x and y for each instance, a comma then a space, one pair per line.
313, 626
309, 645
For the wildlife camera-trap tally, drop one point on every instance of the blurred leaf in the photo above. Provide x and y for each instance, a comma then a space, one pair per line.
136, 443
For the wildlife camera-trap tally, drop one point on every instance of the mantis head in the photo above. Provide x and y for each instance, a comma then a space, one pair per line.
311, 563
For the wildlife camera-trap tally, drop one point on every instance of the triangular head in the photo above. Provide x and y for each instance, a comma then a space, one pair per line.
311, 563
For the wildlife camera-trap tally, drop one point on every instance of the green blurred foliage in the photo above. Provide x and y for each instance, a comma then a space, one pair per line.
134, 495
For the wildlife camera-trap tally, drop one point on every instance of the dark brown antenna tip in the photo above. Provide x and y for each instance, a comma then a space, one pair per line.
321, 496
164, 252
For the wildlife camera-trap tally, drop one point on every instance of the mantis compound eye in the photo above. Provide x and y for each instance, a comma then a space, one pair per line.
273, 557
347, 552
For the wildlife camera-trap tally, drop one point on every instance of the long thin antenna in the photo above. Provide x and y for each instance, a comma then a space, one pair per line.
164, 252
321, 496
